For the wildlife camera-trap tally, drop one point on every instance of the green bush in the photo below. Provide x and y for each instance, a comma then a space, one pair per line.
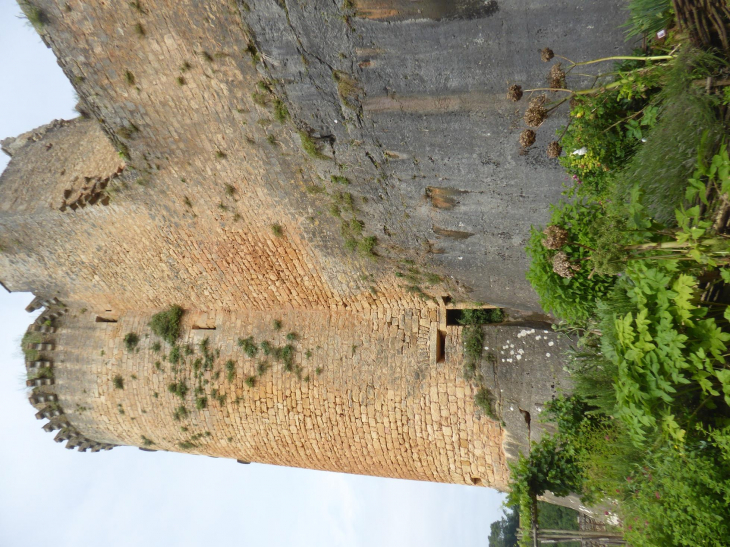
572, 299
679, 497
118, 382
670, 357
166, 324
485, 400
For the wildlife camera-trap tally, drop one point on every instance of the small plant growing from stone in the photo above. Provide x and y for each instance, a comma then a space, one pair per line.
139, 30
180, 413
262, 367
220, 154
230, 190
292, 337
251, 381
178, 388
129, 78
137, 6
248, 346
166, 324
201, 403
131, 339
146, 441
281, 113
230, 370
339, 179
318, 371
35, 16
181, 81
118, 382
485, 400
276, 324
156, 347
310, 147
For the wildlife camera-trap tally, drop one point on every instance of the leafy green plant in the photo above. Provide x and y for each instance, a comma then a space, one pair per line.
166, 324
277, 230
118, 382
661, 345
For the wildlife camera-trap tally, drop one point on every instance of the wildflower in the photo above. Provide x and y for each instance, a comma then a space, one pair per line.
546, 54
514, 93
527, 138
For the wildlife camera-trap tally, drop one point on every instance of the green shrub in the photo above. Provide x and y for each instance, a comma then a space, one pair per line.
131, 340
201, 403
156, 347
276, 323
118, 382
678, 498
251, 381
572, 299
277, 230
669, 356
292, 337
166, 324
552, 465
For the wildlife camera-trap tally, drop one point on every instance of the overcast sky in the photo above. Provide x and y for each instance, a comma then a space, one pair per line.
125, 497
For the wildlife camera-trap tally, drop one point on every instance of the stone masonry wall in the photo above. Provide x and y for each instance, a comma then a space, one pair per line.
377, 406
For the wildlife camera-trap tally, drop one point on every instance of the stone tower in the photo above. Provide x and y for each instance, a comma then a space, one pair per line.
306, 164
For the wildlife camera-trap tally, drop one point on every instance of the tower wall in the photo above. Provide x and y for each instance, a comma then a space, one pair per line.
367, 399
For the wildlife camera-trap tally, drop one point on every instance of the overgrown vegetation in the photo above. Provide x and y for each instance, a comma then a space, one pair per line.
635, 261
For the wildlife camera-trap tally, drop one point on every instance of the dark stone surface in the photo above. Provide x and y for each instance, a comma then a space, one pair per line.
424, 107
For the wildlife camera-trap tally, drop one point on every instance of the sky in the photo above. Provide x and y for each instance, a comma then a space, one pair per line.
126, 497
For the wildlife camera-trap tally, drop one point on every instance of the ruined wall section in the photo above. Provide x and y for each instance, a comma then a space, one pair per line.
367, 399
53, 166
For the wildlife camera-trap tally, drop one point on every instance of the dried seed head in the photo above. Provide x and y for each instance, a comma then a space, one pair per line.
527, 138
547, 54
536, 113
556, 77
554, 149
515, 92
563, 267
555, 237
